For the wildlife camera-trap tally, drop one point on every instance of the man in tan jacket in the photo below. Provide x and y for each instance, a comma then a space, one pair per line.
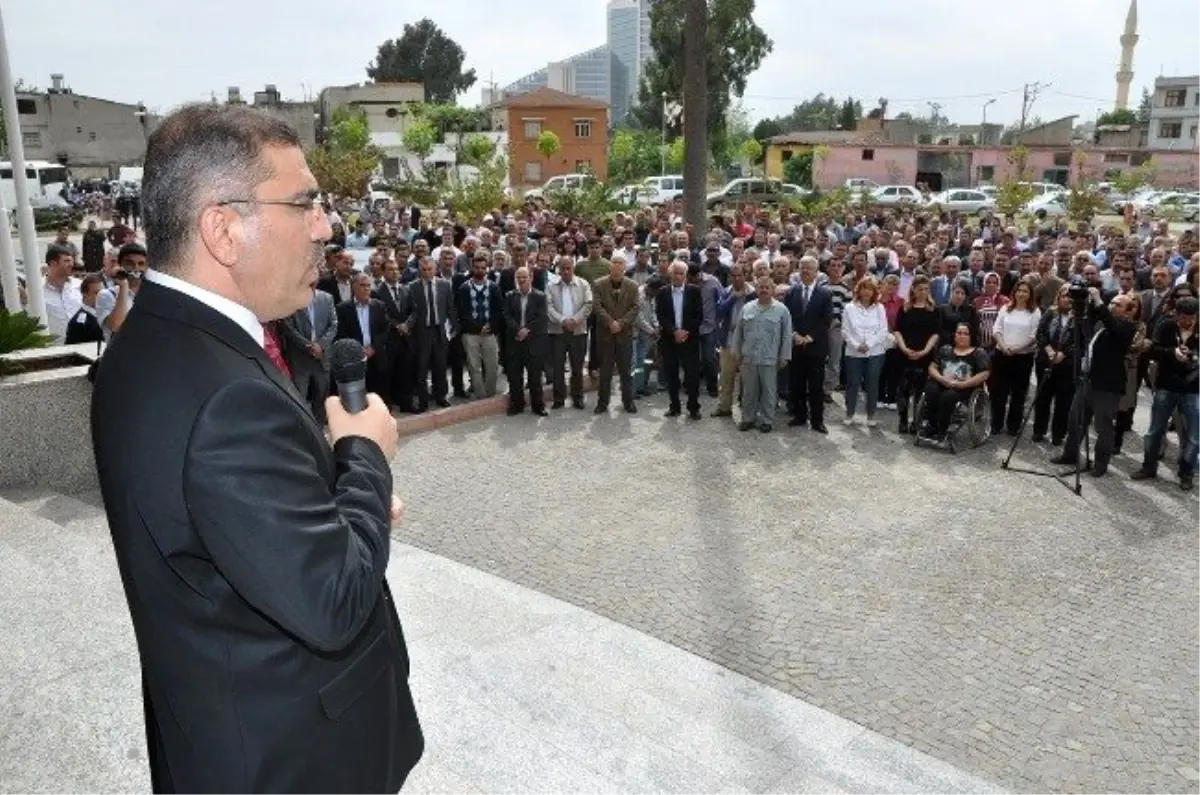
568, 305
615, 302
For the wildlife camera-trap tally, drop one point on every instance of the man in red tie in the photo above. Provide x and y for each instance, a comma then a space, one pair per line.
272, 342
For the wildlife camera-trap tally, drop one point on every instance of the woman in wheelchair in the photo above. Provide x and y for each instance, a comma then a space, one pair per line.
955, 372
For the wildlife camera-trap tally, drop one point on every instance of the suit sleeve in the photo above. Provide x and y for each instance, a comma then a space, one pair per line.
631, 314
330, 334
310, 559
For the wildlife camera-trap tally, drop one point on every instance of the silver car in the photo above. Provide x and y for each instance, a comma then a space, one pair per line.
970, 202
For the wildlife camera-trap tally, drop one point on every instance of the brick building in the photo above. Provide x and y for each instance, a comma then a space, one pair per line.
580, 124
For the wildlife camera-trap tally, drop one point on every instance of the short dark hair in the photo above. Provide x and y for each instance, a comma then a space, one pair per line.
54, 251
89, 280
129, 250
198, 155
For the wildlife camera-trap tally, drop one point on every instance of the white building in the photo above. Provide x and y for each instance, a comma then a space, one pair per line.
1174, 113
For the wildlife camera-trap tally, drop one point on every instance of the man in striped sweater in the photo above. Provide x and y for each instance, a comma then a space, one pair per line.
841, 296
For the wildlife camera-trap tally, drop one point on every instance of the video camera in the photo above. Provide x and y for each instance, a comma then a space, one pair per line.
1079, 290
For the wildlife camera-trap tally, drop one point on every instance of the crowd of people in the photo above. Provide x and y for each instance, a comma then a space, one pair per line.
765, 309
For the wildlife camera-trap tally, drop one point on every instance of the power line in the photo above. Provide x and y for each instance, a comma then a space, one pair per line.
1078, 96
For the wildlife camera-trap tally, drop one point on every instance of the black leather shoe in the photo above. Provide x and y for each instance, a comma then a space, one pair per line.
558, 404
630, 408
443, 403
1143, 474
820, 428
721, 413
765, 428
694, 415
1186, 482
541, 411
673, 412
797, 422
600, 409
577, 402
461, 393
515, 410
745, 426
1038, 438
1064, 459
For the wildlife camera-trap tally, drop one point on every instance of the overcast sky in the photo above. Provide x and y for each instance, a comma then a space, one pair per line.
165, 52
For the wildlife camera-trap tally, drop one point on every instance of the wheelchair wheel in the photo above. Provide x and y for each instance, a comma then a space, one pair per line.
978, 423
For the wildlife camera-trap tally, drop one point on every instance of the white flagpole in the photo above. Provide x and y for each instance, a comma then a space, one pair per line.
16, 154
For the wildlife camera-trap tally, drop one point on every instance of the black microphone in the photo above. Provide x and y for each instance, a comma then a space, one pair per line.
348, 364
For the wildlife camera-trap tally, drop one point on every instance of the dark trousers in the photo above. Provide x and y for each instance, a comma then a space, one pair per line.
526, 361
563, 348
1057, 387
456, 358
940, 402
401, 382
313, 386
1102, 408
684, 355
1010, 387
889, 377
379, 376
618, 352
430, 348
913, 377
593, 361
806, 386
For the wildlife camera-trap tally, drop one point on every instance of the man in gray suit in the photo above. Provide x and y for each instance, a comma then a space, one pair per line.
309, 333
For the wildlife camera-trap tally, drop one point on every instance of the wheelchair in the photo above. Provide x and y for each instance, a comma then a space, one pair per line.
972, 419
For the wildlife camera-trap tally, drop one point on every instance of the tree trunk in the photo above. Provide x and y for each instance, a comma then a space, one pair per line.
695, 116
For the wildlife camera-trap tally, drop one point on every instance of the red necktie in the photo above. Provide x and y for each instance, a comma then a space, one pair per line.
274, 351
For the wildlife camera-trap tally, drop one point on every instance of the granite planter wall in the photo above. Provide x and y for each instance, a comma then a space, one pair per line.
45, 432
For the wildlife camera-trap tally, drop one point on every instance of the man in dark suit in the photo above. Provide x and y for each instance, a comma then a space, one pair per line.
253, 551
526, 324
364, 318
339, 283
394, 297
430, 308
1106, 378
680, 313
811, 308
307, 335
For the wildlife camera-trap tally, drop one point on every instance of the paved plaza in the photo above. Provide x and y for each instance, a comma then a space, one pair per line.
992, 620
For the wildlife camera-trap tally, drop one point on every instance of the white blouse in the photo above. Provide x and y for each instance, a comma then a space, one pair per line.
865, 324
1017, 329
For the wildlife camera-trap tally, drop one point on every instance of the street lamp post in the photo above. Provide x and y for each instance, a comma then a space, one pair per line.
983, 125
24, 210
663, 167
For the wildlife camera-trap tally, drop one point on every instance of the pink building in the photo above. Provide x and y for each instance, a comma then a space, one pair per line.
941, 166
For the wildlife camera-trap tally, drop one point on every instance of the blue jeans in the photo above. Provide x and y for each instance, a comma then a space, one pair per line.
862, 371
1161, 409
641, 371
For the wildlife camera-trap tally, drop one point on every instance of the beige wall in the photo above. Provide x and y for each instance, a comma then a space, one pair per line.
89, 132
560, 121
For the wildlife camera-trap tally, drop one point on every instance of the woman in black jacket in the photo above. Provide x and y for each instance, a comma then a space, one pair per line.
1055, 368
958, 310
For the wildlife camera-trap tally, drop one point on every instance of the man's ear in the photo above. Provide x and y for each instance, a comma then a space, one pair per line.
223, 233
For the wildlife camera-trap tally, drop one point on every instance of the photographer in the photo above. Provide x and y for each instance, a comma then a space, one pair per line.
1178, 385
1104, 373
114, 303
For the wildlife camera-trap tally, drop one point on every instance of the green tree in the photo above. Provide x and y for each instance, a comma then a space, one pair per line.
752, 150
1144, 107
477, 150
736, 48
767, 129
548, 144
850, 114
470, 197
1116, 117
1015, 191
1129, 181
447, 117
420, 138
797, 170
1084, 202
634, 155
345, 160
423, 54
676, 155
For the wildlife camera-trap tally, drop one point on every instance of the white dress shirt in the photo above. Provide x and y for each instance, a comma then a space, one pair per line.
218, 303
364, 321
568, 301
61, 306
677, 301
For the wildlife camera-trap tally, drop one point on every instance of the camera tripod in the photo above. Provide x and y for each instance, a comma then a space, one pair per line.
1075, 425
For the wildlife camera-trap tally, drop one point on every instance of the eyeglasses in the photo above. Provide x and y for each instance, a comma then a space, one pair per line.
306, 203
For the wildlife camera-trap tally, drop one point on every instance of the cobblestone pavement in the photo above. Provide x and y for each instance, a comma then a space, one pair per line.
990, 619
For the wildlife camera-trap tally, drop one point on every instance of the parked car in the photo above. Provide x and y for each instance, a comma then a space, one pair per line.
1185, 205
1050, 205
988, 190
641, 195
795, 190
759, 191
897, 194
669, 186
861, 185
561, 182
971, 202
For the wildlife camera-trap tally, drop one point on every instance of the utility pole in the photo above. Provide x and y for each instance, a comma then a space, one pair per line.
1030, 96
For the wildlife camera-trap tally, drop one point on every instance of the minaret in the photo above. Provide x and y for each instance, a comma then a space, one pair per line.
1125, 73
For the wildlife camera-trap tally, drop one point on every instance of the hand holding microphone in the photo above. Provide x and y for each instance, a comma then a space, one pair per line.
354, 412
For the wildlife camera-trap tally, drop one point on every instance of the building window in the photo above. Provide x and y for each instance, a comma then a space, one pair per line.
1175, 98
1062, 159
78, 130
786, 155
26, 107
868, 154
533, 172
1170, 129
533, 128
391, 113
31, 138
91, 136
1116, 157
1139, 158
1192, 133
583, 166
987, 173
583, 128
